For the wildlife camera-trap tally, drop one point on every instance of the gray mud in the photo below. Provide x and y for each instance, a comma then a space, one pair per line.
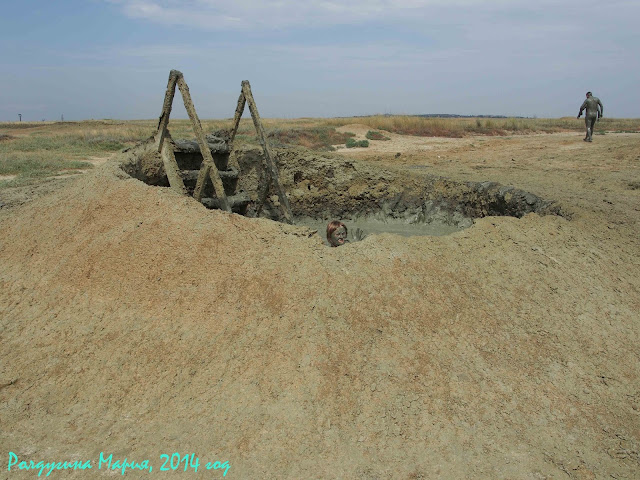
373, 226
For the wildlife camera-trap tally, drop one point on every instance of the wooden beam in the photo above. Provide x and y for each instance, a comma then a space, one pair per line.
192, 175
208, 166
236, 117
263, 188
171, 167
163, 122
233, 160
272, 168
240, 200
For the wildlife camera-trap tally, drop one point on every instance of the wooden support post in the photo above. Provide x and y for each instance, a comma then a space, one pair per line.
163, 122
272, 168
236, 122
171, 167
263, 188
237, 116
208, 166
162, 137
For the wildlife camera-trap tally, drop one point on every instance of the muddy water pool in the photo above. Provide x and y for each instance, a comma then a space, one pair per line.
373, 226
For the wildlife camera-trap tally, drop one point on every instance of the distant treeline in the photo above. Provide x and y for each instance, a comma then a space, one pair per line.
434, 115
453, 115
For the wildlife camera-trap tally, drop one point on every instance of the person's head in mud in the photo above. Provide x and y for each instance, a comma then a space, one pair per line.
336, 233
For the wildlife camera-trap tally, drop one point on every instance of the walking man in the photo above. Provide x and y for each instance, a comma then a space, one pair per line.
595, 111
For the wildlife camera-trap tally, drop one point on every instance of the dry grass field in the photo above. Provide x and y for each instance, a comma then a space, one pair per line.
133, 321
32, 151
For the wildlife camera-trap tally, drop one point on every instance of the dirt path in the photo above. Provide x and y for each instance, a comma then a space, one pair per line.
397, 143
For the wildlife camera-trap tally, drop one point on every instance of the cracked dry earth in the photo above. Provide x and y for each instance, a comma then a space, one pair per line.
134, 321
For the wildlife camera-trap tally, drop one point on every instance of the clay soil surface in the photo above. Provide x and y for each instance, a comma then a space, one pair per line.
137, 323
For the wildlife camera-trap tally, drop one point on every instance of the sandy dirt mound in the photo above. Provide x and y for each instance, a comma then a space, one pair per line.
136, 322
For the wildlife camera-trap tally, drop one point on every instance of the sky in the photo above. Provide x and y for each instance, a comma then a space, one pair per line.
99, 59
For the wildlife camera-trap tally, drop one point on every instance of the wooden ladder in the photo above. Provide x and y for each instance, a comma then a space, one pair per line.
189, 176
190, 162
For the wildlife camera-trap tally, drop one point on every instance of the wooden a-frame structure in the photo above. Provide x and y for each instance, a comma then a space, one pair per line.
271, 169
165, 147
208, 170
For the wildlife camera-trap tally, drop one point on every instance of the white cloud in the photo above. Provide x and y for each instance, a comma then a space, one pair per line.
339, 57
274, 14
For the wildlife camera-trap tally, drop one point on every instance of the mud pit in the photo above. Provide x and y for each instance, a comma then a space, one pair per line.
136, 322
324, 188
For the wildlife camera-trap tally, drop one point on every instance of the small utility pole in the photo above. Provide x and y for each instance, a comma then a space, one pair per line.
62, 118
20, 116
